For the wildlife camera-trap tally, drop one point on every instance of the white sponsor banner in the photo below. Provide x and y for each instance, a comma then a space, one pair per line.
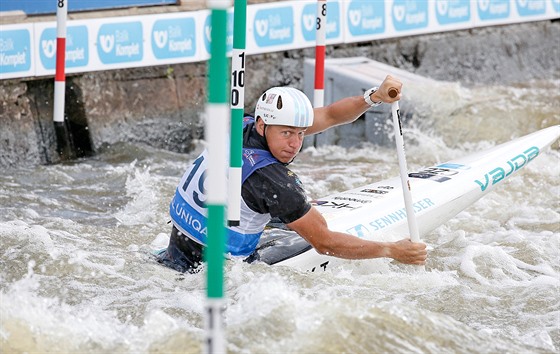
175, 38
369, 20
271, 27
498, 12
290, 25
16, 51
78, 49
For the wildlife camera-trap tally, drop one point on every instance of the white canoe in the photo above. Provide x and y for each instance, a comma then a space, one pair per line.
376, 211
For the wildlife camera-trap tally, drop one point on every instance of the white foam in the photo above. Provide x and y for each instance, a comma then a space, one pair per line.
143, 208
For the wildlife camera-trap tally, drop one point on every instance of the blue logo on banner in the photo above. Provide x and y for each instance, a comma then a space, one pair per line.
208, 33
530, 7
556, 5
15, 53
174, 38
493, 9
410, 14
77, 49
274, 26
366, 17
120, 42
453, 11
309, 21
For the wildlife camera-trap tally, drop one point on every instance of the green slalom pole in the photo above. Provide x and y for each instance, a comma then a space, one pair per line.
237, 107
216, 131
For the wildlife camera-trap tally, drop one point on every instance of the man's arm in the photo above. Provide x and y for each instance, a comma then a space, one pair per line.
349, 109
313, 228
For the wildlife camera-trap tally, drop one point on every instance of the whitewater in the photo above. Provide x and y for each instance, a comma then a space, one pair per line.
77, 274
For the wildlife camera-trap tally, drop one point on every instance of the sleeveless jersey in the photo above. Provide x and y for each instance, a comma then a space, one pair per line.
188, 212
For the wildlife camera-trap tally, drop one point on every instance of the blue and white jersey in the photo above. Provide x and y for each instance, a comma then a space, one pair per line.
189, 214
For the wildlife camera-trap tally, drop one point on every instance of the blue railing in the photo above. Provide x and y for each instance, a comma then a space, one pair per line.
37, 7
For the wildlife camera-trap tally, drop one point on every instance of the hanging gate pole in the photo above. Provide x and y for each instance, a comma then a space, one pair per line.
217, 117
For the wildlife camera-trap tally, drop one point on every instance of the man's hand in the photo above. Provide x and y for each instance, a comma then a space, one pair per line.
383, 93
408, 252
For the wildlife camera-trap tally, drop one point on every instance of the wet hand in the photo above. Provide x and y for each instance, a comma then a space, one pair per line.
408, 252
389, 91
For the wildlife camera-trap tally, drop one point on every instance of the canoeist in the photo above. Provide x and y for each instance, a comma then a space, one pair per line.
271, 141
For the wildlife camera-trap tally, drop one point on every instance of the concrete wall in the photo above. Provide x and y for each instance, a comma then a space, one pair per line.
161, 106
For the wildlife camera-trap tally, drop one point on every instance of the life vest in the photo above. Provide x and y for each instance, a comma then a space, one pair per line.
188, 211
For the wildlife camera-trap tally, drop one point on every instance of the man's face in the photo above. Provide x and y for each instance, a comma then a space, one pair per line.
283, 141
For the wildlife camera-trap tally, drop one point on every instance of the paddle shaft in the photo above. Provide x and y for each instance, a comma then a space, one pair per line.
411, 218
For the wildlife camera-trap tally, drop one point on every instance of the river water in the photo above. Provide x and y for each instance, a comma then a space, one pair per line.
77, 276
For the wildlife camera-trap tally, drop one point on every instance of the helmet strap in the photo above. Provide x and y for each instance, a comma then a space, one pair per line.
264, 129
264, 134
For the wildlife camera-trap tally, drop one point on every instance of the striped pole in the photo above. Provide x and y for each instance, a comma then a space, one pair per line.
64, 144
216, 131
237, 107
60, 77
319, 93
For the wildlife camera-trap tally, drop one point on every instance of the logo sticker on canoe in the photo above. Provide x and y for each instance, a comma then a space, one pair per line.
374, 191
440, 173
499, 173
333, 205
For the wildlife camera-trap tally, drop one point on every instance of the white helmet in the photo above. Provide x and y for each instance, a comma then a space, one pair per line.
285, 106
